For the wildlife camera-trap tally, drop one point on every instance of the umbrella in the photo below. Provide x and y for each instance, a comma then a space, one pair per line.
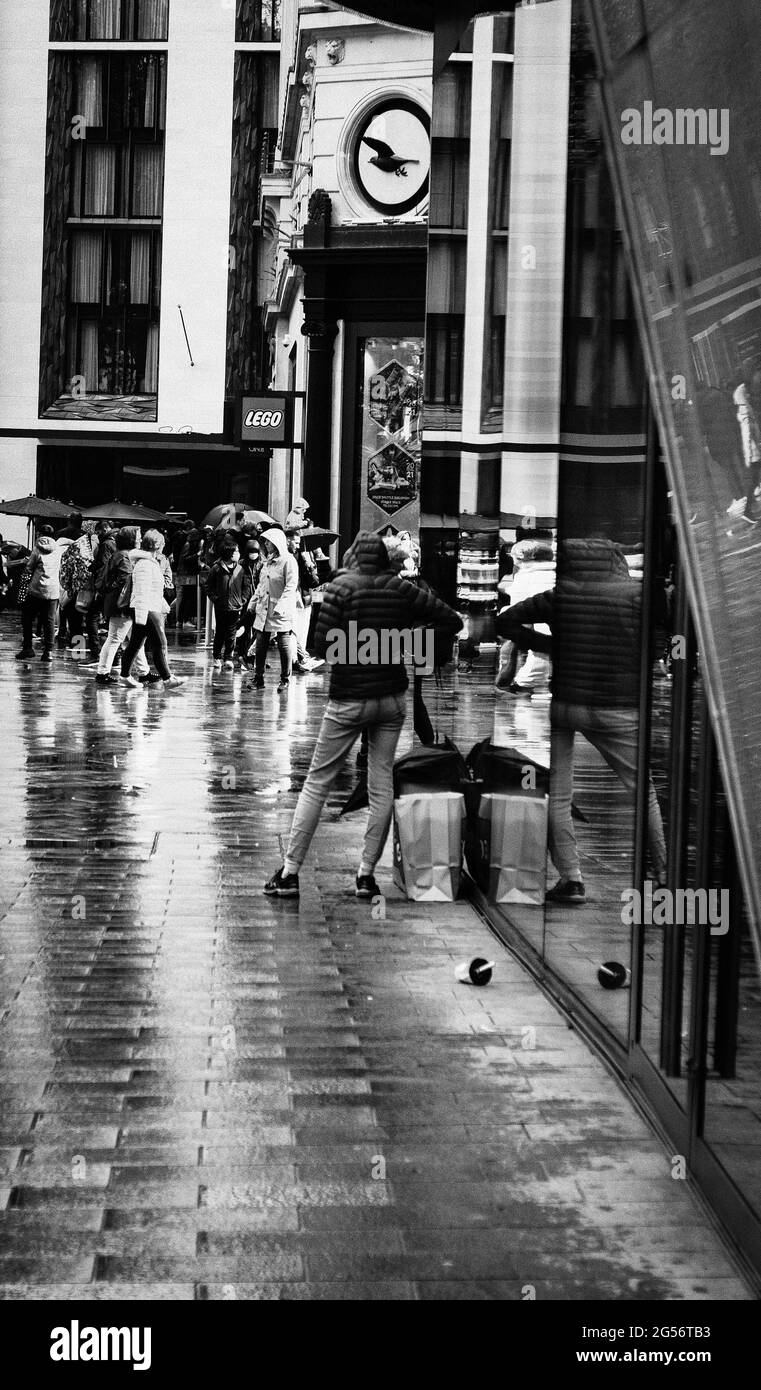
122, 511
315, 536
37, 507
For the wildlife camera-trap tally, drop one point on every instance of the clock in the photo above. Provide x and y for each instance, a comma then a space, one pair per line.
391, 155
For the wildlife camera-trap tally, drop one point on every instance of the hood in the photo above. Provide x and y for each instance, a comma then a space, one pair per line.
277, 538
367, 553
46, 544
596, 560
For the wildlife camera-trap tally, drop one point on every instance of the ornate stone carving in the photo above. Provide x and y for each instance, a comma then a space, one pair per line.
335, 51
319, 208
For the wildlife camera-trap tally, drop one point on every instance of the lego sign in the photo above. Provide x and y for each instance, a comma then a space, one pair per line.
265, 420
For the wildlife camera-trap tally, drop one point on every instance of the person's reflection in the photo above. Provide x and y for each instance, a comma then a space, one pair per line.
594, 621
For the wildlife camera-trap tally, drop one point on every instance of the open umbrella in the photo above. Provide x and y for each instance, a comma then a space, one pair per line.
122, 511
32, 506
228, 515
313, 537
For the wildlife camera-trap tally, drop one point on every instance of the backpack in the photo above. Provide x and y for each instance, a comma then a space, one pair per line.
75, 568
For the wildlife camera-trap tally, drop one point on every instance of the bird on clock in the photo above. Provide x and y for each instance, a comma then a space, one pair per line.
385, 159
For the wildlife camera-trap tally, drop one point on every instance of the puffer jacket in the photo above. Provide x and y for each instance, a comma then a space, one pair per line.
147, 585
219, 582
278, 587
117, 573
44, 566
367, 592
594, 617
242, 586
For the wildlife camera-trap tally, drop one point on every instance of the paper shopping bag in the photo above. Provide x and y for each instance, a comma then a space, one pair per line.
428, 831
514, 828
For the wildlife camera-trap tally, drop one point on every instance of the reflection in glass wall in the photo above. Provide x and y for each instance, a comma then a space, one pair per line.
686, 141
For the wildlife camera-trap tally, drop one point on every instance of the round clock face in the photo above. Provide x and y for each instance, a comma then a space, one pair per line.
392, 156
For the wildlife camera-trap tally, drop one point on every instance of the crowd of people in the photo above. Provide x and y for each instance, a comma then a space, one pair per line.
114, 591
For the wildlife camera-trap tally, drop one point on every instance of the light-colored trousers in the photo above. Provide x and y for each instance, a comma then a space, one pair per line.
119, 627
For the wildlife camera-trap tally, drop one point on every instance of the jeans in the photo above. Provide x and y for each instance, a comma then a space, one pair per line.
152, 633
33, 608
119, 627
342, 721
284, 640
226, 624
615, 734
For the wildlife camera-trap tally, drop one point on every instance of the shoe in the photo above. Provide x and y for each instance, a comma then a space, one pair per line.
131, 681
152, 678
45, 656
174, 682
229, 665
258, 683
315, 662
25, 654
519, 690
282, 686
299, 669
103, 678
366, 887
217, 665
568, 891
282, 885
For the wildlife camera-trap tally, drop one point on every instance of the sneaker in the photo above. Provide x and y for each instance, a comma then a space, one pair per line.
103, 678
737, 506
366, 887
315, 662
568, 891
282, 686
229, 665
152, 678
283, 885
131, 681
25, 654
258, 683
217, 665
299, 669
174, 682
45, 656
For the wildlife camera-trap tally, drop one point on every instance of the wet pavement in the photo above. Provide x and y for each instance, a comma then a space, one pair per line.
209, 1094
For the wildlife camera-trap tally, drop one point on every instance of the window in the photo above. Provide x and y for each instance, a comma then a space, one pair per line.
113, 324
109, 21
445, 325
257, 21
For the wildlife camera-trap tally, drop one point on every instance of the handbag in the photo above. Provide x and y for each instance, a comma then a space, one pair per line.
84, 598
125, 598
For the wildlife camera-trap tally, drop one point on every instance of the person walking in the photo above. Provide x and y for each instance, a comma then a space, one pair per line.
373, 697
275, 606
41, 601
243, 586
147, 609
594, 616
116, 611
308, 580
225, 612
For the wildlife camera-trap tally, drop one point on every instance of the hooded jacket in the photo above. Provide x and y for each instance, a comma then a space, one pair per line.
278, 586
117, 573
594, 617
367, 592
44, 566
147, 585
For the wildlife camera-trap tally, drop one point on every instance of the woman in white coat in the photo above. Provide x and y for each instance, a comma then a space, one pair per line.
275, 600
147, 608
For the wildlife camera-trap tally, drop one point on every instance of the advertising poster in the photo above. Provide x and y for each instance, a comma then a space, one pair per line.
392, 398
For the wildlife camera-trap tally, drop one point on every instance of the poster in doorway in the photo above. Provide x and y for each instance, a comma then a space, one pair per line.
392, 397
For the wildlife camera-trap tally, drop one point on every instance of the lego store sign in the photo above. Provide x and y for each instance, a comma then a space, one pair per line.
265, 420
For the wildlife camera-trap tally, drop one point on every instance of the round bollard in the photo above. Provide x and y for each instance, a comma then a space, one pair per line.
474, 972
613, 975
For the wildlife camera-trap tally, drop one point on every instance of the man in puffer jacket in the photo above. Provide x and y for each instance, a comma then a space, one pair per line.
594, 617
42, 596
534, 572
366, 601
